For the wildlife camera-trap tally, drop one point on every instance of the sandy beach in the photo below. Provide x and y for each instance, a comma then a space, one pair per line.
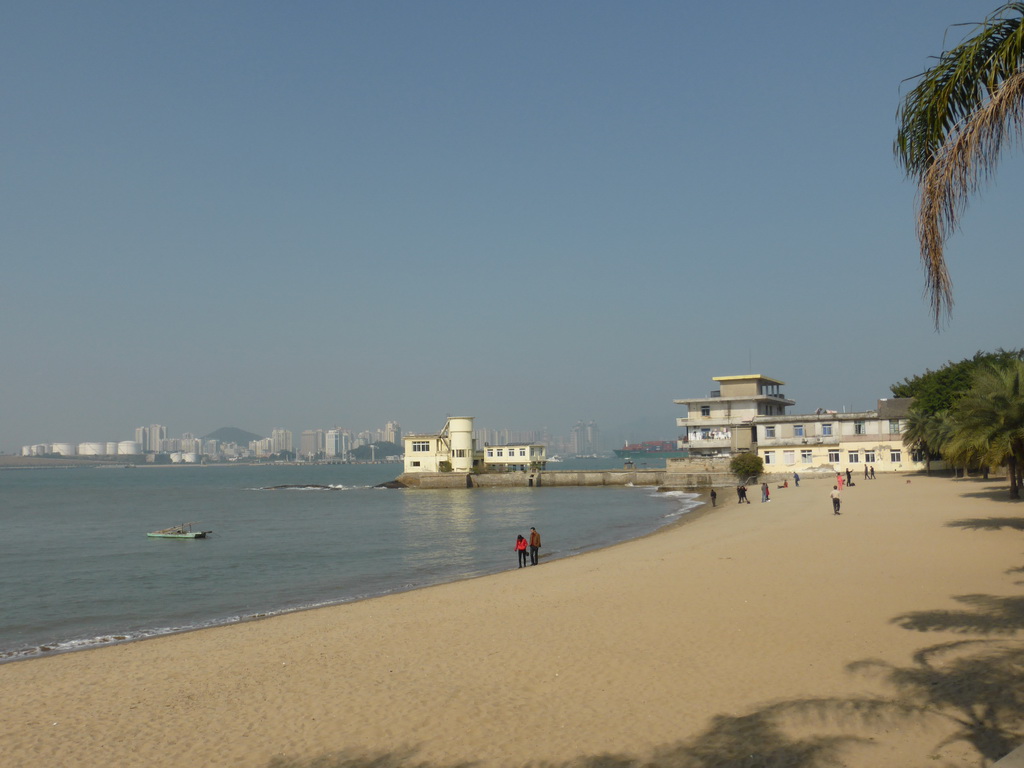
770, 634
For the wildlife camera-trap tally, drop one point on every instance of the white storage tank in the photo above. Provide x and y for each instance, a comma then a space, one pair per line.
460, 431
128, 448
176, 457
92, 449
64, 449
111, 449
190, 458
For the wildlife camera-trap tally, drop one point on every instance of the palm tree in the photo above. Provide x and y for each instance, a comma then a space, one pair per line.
989, 420
952, 125
927, 433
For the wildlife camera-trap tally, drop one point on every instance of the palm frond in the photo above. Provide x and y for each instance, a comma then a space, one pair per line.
951, 128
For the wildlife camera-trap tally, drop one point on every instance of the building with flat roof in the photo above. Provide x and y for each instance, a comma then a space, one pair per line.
748, 414
722, 423
453, 449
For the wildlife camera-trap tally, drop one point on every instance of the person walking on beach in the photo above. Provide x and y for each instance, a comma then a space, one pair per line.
849, 476
835, 500
741, 491
521, 550
872, 471
764, 493
865, 471
534, 546
714, 497
796, 480
839, 481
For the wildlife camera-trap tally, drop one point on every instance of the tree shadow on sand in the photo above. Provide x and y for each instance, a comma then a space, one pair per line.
1001, 495
973, 689
989, 523
992, 615
754, 740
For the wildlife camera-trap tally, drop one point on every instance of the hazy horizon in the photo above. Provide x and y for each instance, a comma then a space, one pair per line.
301, 216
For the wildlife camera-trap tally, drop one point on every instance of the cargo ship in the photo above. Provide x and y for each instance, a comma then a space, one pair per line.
654, 449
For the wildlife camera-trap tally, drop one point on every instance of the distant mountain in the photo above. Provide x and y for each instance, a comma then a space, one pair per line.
233, 435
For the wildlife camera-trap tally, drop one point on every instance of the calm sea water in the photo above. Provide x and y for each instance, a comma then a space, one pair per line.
77, 569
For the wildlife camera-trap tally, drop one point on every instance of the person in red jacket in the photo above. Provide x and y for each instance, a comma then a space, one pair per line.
521, 550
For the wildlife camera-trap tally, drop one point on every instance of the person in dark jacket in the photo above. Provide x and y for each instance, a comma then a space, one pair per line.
534, 546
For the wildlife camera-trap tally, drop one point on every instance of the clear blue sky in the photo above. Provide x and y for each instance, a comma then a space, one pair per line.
311, 214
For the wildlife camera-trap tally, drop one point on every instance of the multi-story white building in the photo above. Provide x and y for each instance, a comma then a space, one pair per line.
723, 423
151, 438
514, 457
312, 443
748, 414
337, 443
586, 438
281, 440
454, 449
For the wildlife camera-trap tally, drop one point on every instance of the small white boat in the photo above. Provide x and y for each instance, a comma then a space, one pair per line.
183, 531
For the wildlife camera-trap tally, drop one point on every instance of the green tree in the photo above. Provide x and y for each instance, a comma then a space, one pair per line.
989, 421
937, 391
746, 465
951, 129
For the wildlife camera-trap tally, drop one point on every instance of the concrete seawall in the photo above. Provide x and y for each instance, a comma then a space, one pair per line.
535, 479
660, 478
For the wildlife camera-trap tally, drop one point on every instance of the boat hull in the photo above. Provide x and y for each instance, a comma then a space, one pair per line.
186, 535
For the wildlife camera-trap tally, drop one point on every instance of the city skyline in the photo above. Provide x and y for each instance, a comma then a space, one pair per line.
328, 442
530, 213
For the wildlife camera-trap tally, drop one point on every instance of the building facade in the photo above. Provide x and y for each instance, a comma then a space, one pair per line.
723, 423
749, 414
453, 449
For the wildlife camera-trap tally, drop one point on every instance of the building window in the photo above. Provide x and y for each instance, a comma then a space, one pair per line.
420, 445
460, 453
895, 456
826, 430
917, 456
500, 453
869, 457
705, 410
769, 457
853, 457
798, 430
788, 457
894, 426
415, 464
833, 457
490, 453
859, 428
522, 451
806, 457
769, 431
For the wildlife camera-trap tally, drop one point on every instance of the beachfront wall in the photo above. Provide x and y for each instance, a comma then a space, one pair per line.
534, 479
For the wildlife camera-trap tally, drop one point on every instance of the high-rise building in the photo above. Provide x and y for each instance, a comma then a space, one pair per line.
312, 443
151, 438
586, 439
337, 443
281, 440
393, 433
